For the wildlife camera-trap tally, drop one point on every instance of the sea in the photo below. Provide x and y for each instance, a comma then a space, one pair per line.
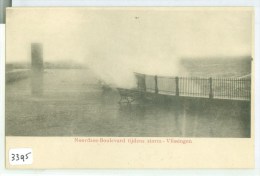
74, 103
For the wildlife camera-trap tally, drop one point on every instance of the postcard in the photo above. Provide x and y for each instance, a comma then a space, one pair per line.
129, 87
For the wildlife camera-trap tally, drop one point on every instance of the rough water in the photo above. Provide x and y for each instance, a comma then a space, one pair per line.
74, 104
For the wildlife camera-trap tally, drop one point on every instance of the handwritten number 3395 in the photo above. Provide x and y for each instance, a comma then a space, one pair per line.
18, 157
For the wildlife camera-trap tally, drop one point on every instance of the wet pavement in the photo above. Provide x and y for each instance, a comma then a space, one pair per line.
73, 103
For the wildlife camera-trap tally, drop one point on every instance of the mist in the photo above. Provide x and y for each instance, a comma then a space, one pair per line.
116, 42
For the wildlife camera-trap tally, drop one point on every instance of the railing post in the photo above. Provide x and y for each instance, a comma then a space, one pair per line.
210, 88
141, 85
156, 84
144, 83
177, 86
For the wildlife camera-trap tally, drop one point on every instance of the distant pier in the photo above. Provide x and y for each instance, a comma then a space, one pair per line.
16, 74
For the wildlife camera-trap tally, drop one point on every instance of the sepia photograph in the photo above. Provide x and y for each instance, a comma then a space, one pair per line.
129, 72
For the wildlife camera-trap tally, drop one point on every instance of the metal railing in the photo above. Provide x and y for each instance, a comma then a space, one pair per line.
218, 88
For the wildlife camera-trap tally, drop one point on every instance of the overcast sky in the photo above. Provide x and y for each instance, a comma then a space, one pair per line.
79, 33
137, 37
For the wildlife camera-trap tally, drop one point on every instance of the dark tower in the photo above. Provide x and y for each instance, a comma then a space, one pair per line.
36, 69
